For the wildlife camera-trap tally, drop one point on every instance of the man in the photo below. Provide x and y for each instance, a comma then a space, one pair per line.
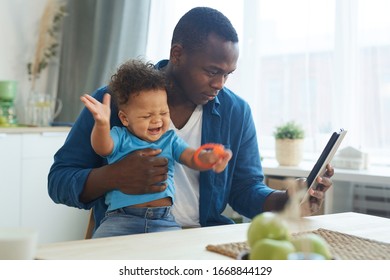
204, 52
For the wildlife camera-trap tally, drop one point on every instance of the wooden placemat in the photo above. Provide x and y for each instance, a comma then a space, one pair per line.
342, 246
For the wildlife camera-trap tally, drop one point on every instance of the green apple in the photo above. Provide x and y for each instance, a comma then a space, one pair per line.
312, 243
267, 225
271, 249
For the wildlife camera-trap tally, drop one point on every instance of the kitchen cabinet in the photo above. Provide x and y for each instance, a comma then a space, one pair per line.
10, 166
25, 159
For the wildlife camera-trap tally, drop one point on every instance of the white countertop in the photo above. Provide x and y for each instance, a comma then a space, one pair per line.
372, 175
32, 129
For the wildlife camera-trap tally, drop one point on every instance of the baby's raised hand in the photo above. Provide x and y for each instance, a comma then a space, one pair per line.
100, 111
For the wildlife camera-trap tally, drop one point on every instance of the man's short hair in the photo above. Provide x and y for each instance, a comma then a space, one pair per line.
194, 27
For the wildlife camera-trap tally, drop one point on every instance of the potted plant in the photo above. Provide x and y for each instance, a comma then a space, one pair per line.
289, 139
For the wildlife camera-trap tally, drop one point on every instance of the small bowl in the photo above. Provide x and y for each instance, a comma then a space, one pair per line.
305, 256
244, 255
18, 243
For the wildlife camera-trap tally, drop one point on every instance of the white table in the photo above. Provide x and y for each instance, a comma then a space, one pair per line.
191, 243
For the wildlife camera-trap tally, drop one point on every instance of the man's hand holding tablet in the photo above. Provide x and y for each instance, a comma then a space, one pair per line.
318, 181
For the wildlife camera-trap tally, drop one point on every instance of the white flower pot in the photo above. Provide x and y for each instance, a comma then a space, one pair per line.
289, 152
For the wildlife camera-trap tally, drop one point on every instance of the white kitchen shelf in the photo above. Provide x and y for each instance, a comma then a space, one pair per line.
372, 175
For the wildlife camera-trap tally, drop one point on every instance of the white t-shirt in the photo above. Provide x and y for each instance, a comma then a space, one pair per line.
186, 180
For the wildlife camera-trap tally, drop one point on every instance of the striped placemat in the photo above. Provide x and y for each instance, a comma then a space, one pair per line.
342, 246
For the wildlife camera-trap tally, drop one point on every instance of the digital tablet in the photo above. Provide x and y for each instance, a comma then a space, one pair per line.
325, 158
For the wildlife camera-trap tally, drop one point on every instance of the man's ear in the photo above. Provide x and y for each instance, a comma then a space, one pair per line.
176, 54
122, 116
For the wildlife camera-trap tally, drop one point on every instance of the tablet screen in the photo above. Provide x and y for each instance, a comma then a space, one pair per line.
325, 157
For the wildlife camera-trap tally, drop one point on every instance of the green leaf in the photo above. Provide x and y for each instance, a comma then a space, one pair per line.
289, 130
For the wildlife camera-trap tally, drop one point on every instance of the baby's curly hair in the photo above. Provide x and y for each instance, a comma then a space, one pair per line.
133, 77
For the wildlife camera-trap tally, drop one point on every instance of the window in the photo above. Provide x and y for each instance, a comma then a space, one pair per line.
322, 63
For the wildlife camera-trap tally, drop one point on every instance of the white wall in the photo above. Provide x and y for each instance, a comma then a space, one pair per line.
19, 23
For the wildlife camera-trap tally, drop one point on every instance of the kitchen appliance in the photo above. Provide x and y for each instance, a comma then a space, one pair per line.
7, 106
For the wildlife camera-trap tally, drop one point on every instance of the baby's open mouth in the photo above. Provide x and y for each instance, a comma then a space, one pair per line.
154, 130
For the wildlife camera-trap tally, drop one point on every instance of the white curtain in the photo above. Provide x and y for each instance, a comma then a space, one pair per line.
98, 36
323, 63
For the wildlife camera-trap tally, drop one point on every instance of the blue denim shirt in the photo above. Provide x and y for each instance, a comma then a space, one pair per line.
227, 120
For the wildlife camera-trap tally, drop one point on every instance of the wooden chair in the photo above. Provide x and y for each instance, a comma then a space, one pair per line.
90, 226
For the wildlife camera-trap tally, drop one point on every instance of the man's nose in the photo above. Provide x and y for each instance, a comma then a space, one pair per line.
218, 82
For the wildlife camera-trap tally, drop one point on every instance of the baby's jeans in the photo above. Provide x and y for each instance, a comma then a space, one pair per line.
133, 220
